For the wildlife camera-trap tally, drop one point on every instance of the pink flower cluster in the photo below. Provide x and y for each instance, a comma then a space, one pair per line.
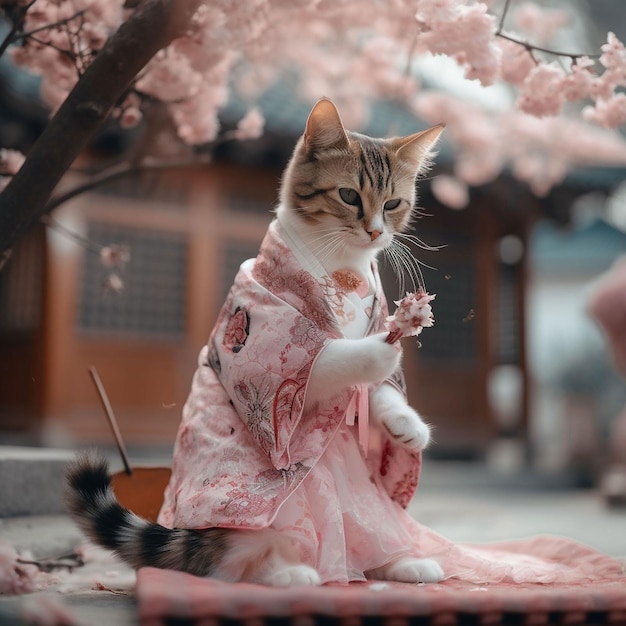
10, 163
67, 35
114, 257
547, 87
539, 23
354, 52
538, 151
413, 314
250, 126
15, 578
464, 32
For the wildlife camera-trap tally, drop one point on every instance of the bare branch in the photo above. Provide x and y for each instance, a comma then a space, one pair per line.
123, 171
151, 27
15, 34
505, 10
531, 47
51, 26
9, 39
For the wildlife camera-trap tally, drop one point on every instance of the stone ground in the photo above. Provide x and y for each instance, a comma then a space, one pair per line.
462, 501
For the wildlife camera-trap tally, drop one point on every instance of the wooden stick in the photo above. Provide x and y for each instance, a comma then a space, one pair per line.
108, 409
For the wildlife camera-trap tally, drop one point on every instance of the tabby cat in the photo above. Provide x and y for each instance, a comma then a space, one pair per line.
297, 451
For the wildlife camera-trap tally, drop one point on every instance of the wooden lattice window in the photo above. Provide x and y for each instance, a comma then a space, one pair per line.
454, 335
509, 331
452, 277
234, 253
152, 302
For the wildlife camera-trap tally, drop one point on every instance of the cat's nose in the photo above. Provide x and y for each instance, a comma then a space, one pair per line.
374, 234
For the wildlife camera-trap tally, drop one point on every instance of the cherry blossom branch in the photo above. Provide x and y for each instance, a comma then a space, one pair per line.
62, 22
151, 27
15, 34
67, 53
505, 10
54, 224
115, 174
533, 48
112, 256
10, 38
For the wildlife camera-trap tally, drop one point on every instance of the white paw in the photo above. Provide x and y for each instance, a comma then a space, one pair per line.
292, 575
411, 570
378, 359
407, 428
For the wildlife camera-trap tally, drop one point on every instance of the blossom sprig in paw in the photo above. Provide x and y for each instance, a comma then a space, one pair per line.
413, 313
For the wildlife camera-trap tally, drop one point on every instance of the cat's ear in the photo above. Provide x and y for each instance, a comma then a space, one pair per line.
416, 149
324, 128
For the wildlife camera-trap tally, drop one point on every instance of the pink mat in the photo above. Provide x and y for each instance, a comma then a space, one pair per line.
167, 597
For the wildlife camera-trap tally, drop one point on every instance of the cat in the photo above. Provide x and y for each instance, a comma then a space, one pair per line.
278, 478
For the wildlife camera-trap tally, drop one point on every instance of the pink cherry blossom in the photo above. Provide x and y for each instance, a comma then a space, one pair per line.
479, 153
609, 113
430, 11
579, 83
337, 49
541, 23
412, 315
613, 59
130, 117
10, 161
450, 191
516, 63
251, 125
540, 94
15, 577
467, 34
113, 283
114, 255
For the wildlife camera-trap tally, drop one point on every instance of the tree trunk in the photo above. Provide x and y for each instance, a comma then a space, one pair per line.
153, 25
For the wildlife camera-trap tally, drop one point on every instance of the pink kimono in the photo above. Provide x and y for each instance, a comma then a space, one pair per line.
248, 456
246, 448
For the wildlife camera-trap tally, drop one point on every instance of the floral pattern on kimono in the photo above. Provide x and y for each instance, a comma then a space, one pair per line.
245, 443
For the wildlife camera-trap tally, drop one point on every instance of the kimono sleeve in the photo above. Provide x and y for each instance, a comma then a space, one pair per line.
264, 350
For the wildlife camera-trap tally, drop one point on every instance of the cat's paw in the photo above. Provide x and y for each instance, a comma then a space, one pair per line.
344, 363
401, 422
378, 359
410, 570
293, 575
407, 428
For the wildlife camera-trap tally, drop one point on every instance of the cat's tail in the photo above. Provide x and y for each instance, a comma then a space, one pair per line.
95, 509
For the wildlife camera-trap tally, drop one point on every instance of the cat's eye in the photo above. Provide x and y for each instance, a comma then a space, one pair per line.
391, 204
350, 196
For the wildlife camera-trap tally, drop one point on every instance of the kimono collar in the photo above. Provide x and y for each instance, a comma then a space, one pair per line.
311, 263
358, 407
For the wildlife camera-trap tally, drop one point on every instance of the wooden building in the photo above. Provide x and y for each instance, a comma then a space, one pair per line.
187, 233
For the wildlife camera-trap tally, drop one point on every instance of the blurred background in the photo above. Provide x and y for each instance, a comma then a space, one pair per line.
515, 374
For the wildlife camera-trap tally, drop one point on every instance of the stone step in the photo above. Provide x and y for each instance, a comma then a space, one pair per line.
31, 480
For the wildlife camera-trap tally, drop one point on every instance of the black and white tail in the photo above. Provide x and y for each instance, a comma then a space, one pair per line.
94, 507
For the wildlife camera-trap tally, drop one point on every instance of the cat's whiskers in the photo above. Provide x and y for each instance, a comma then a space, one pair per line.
398, 265
405, 265
328, 248
325, 237
419, 242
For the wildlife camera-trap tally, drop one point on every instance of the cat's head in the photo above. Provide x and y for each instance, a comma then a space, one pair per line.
344, 180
